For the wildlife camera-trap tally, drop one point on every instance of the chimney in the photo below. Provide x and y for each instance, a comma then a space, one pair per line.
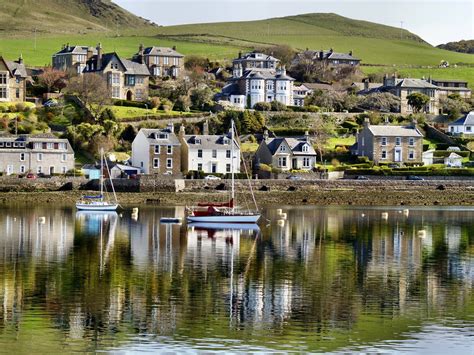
170, 127
366, 84
67, 46
182, 131
366, 122
413, 123
141, 53
265, 135
205, 128
321, 54
174, 48
350, 52
385, 80
20, 59
99, 56
331, 50
240, 54
90, 53
387, 122
306, 136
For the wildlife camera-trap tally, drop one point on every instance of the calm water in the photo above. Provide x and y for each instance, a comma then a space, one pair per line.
326, 279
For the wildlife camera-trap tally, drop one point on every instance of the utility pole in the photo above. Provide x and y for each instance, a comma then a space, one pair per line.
401, 30
35, 38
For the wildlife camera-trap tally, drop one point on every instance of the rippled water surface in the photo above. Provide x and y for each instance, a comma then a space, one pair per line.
323, 279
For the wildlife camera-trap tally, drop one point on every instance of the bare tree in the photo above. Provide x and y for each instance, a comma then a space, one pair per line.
322, 130
92, 90
52, 78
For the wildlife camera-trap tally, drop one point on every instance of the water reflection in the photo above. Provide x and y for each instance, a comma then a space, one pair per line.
323, 279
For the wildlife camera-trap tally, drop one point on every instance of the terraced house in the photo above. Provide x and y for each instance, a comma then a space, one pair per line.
13, 78
157, 151
162, 62
39, 154
126, 79
389, 143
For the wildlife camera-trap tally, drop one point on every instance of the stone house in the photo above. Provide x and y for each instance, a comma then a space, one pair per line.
72, 58
162, 62
210, 154
39, 154
330, 58
253, 60
389, 143
126, 79
13, 78
447, 87
157, 151
463, 125
286, 153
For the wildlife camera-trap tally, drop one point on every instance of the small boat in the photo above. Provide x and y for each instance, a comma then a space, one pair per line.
224, 212
227, 226
170, 220
98, 203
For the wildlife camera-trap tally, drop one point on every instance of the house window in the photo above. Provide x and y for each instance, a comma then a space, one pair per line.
282, 162
468, 128
166, 60
170, 149
411, 141
3, 93
411, 154
227, 168
157, 71
157, 149
305, 148
3, 79
63, 170
199, 153
156, 163
130, 80
17, 93
398, 141
227, 154
116, 92
140, 80
363, 141
175, 61
8, 144
40, 157
282, 148
214, 168
49, 146
39, 170
115, 78
63, 157
214, 153
200, 167
384, 154
384, 140
22, 157
22, 169
169, 163
306, 162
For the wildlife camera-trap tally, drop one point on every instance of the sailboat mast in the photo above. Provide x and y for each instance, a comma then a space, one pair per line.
232, 163
101, 174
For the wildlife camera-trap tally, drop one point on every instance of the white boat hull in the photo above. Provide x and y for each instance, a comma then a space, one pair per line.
225, 226
96, 207
225, 219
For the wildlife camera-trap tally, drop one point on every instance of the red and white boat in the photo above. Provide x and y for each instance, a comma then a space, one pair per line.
224, 212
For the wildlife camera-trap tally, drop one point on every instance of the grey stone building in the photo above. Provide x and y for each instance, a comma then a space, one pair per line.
390, 143
72, 58
39, 154
13, 78
162, 62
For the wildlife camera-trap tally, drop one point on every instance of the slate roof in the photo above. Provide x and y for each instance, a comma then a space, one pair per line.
256, 56
209, 142
75, 50
394, 131
15, 68
415, 83
135, 68
295, 144
162, 51
150, 135
465, 120
263, 73
329, 55
31, 138
131, 67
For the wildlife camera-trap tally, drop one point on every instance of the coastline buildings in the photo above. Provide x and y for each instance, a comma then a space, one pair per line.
256, 78
328, 58
72, 58
286, 153
157, 151
39, 154
210, 154
161, 62
13, 77
389, 143
464, 125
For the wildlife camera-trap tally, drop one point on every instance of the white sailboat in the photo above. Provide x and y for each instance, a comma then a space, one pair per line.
226, 212
98, 203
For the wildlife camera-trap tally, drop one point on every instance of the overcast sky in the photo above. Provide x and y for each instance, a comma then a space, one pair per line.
436, 21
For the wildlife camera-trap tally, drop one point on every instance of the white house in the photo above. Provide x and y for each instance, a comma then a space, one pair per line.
157, 151
261, 82
210, 154
453, 161
428, 157
286, 153
464, 125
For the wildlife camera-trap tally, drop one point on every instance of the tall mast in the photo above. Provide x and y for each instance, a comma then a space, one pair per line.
232, 162
101, 174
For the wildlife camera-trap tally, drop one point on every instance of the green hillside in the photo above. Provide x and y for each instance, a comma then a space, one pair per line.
22, 17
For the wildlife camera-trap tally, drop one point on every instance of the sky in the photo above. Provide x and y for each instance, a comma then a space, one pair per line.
436, 21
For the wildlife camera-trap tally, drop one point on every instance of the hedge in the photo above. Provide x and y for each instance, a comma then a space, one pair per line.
131, 103
446, 153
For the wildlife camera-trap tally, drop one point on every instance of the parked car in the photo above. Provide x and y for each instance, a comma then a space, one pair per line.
362, 177
414, 178
31, 176
294, 177
51, 103
212, 177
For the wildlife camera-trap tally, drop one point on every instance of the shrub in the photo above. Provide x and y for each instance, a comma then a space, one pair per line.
262, 106
278, 106
166, 105
130, 103
265, 167
155, 102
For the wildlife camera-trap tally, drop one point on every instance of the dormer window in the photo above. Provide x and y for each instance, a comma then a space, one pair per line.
161, 136
226, 141
282, 148
305, 148
197, 141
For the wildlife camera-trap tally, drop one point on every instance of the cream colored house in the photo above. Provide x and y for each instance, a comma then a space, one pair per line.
13, 78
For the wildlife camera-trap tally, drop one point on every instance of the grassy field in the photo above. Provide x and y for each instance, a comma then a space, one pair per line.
332, 142
123, 113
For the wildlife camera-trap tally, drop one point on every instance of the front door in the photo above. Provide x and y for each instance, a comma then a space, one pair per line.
9, 169
398, 155
214, 168
51, 170
295, 164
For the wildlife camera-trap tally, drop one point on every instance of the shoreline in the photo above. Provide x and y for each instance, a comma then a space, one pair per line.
323, 197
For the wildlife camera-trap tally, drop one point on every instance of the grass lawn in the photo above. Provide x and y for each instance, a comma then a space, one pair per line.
124, 112
249, 147
332, 142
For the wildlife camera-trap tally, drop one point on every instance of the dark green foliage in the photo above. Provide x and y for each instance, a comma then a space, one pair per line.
278, 106
262, 106
130, 103
128, 134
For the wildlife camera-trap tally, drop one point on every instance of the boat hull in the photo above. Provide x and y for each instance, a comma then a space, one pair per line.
225, 226
225, 219
91, 207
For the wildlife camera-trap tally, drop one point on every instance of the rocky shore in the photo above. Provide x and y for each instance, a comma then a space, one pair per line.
333, 194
